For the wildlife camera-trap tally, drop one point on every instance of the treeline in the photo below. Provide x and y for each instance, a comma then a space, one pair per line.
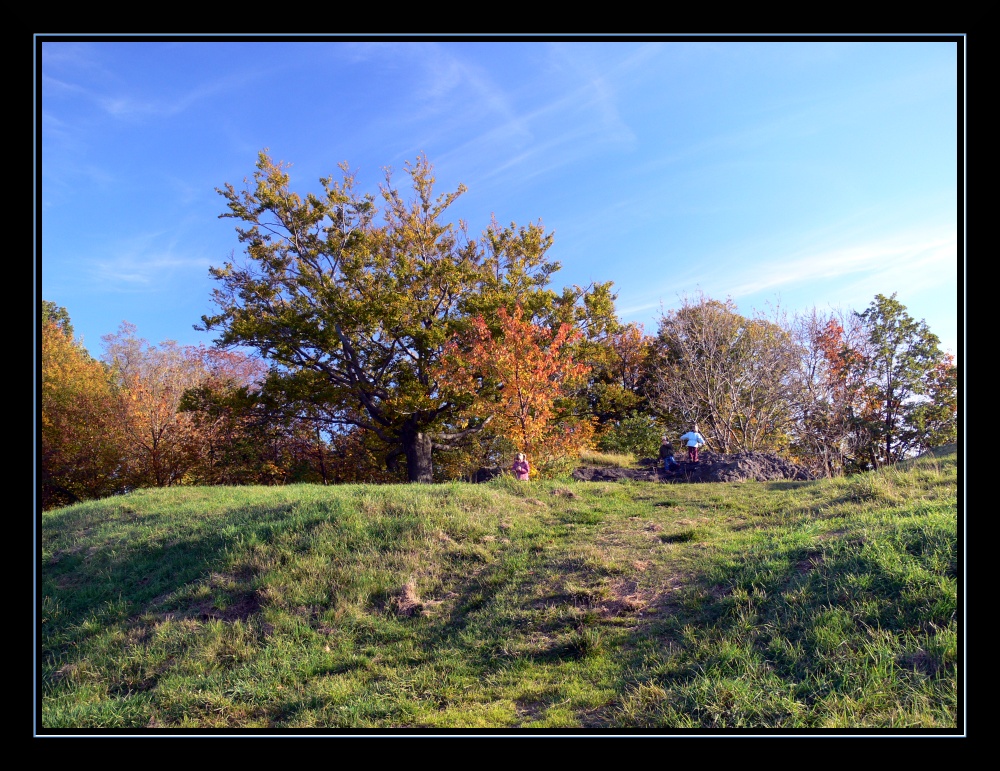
363, 338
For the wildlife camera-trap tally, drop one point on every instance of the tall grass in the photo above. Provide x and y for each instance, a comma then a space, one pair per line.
614, 459
535, 607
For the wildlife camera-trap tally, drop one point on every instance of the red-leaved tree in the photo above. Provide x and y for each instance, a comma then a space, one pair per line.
520, 379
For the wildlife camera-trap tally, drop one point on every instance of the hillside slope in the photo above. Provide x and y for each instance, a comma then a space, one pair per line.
792, 606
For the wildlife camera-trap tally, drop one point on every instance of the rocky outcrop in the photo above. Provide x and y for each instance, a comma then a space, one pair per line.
711, 467
615, 474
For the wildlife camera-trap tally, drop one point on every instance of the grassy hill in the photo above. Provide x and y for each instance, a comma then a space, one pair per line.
507, 606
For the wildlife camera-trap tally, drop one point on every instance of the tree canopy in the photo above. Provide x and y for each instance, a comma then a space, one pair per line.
353, 298
81, 447
725, 371
907, 384
520, 379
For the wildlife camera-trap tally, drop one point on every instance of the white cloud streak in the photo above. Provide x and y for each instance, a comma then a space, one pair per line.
911, 259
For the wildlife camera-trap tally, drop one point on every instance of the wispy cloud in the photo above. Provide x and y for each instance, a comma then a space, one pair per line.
444, 92
847, 271
62, 182
52, 86
128, 107
515, 129
914, 259
119, 101
145, 262
555, 131
914, 264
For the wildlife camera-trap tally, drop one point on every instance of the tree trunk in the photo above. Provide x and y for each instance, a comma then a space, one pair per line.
417, 447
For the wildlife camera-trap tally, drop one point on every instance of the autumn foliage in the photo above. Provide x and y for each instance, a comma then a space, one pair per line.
81, 446
389, 344
875, 388
519, 379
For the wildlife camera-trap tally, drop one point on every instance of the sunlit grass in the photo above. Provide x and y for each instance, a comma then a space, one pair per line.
528, 606
618, 460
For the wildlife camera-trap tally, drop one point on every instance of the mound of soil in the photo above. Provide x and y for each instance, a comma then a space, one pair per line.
711, 467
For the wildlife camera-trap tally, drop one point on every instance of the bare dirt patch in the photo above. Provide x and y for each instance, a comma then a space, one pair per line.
408, 603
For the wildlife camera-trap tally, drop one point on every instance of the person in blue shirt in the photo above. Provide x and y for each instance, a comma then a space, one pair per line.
694, 440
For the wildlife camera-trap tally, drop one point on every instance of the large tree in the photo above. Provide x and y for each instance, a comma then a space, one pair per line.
727, 372
827, 389
353, 302
81, 450
908, 385
150, 382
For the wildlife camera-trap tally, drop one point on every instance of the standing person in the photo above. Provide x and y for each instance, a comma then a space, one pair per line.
694, 440
521, 468
667, 456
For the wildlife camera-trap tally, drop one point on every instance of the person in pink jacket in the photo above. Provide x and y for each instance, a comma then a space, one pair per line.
521, 468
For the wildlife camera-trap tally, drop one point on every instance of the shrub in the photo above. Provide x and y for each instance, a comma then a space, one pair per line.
638, 434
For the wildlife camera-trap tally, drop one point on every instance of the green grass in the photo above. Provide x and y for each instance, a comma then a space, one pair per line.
528, 606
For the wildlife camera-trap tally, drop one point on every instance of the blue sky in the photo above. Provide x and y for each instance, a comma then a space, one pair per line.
795, 173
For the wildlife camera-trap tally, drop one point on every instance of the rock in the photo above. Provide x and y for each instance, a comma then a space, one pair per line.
485, 474
711, 467
614, 474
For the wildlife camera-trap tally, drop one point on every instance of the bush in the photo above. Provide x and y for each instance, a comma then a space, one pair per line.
638, 434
